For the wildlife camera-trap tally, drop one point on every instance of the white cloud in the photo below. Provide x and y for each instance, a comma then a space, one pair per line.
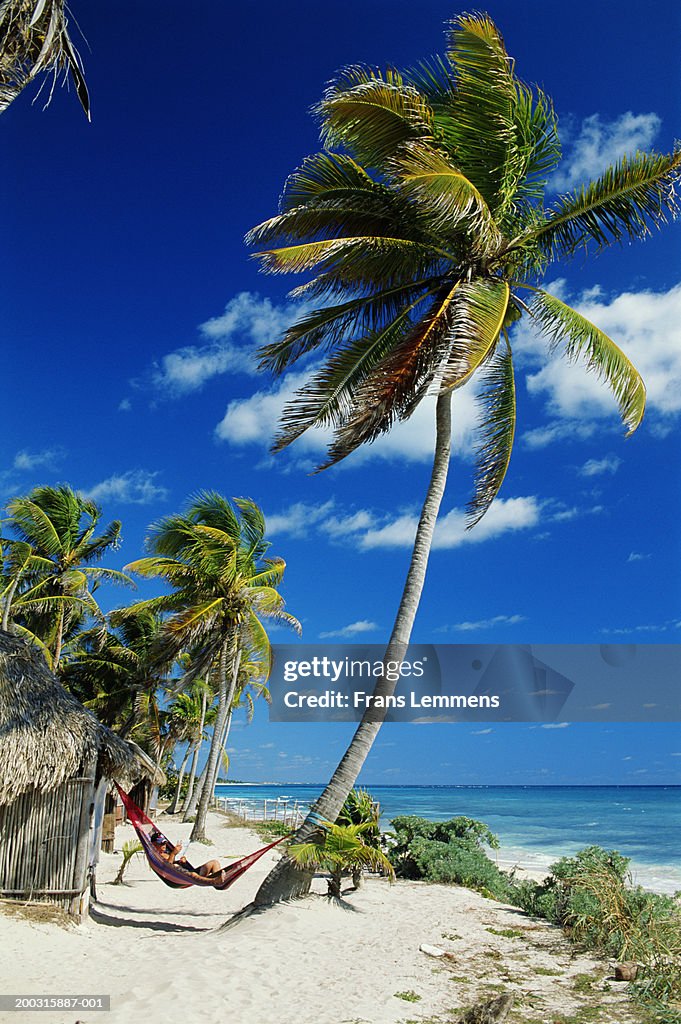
540, 437
367, 530
353, 629
646, 325
497, 620
601, 143
228, 344
505, 515
298, 519
26, 461
596, 467
136, 487
636, 556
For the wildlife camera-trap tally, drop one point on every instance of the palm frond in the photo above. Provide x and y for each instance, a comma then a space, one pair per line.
334, 324
398, 382
357, 260
633, 195
478, 130
579, 338
327, 176
497, 398
372, 114
35, 525
34, 38
448, 198
478, 316
330, 396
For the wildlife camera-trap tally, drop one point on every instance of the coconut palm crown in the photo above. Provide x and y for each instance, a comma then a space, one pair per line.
425, 225
51, 575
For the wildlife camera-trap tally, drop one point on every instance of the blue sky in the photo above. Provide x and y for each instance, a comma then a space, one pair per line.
131, 312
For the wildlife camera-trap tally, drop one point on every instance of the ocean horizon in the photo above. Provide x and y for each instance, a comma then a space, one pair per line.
536, 824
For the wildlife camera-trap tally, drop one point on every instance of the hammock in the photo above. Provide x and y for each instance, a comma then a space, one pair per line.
174, 875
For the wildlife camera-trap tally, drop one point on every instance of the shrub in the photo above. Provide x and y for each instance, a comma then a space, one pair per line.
360, 808
410, 831
590, 895
460, 862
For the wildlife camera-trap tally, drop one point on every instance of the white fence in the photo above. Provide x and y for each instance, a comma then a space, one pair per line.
289, 812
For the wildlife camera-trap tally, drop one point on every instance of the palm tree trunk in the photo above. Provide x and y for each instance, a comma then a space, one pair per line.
226, 696
223, 744
195, 758
8, 603
287, 880
58, 640
192, 803
176, 798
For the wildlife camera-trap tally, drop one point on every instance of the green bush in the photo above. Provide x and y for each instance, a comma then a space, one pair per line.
360, 808
460, 862
450, 852
590, 895
410, 831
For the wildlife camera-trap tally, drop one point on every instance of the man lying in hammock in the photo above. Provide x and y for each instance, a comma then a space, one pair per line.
168, 853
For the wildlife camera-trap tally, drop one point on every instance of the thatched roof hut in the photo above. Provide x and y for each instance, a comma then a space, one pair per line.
53, 755
46, 733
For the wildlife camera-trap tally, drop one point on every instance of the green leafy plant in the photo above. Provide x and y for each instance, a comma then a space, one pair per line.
590, 895
360, 808
409, 996
130, 849
341, 851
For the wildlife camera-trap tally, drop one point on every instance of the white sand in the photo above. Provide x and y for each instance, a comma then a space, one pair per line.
155, 950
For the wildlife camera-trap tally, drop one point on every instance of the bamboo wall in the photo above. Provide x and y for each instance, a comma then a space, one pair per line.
39, 844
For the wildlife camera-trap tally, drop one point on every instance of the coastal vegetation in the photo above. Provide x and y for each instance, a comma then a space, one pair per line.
589, 895
170, 669
425, 233
340, 851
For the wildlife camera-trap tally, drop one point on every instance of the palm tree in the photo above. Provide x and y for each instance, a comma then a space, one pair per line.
342, 851
214, 556
34, 38
111, 670
58, 526
189, 708
424, 223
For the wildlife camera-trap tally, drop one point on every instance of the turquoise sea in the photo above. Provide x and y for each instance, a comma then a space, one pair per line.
538, 824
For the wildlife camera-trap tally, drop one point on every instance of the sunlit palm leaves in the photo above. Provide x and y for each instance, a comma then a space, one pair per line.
55, 593
579, 338
633, 196
497, 399
420, 227
34, 39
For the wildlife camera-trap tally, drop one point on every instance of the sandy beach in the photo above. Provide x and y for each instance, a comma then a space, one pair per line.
157, 952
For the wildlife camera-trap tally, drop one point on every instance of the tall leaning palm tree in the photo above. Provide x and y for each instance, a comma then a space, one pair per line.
423, 222
59, 527
225, 588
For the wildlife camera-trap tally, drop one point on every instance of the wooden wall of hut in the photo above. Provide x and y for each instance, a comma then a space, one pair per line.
109, 824
41, 843
141, 794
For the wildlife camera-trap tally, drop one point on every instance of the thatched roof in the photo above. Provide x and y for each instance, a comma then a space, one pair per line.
45, 733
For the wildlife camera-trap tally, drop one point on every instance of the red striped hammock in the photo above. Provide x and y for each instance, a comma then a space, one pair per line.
173, 874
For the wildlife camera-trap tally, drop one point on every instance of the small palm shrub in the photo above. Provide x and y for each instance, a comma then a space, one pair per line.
360, 808
130, 849
341, 852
